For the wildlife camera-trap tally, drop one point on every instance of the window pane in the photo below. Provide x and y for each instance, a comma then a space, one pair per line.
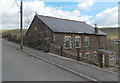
86, 41
77, 40
77, 44
67, 42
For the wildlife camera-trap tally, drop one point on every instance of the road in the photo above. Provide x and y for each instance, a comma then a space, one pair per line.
18, 56
18, 66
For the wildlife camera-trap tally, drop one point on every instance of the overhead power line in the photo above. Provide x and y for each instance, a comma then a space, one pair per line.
17, 3
10, 8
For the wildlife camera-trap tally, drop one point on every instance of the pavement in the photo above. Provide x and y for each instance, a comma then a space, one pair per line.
91, 72
19, 66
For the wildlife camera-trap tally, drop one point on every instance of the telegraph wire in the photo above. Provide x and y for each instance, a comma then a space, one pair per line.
17, 3
11, 7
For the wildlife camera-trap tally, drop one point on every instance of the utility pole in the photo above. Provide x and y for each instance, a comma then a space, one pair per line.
21, 22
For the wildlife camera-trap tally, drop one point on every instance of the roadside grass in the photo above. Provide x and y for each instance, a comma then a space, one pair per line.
4, 30
12, 34
12, 31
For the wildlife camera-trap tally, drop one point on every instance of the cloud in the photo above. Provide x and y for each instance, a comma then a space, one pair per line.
79, 0
9, 14
86, 4
11, 18
52, 11
108, 17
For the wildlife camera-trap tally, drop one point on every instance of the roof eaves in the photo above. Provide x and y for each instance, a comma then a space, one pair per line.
80, 33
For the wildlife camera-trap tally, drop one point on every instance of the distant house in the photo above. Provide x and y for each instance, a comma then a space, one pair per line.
74, 39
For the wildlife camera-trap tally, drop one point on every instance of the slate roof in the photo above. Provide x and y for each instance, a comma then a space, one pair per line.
68, 26
105, 51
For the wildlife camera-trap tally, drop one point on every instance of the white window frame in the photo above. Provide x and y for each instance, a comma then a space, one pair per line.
87, 41
65, 42
79, 41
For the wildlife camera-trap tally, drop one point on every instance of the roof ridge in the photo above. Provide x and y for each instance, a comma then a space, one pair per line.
62, 18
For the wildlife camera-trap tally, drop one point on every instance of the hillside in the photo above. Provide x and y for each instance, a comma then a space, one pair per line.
111, 32
12, 31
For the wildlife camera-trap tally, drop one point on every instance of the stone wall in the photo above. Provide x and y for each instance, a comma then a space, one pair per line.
38, 35
95, 44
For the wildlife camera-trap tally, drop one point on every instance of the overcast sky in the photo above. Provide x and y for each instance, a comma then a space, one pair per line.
101, 12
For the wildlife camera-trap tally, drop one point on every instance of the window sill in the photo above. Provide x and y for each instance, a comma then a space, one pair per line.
77, 47
67, 48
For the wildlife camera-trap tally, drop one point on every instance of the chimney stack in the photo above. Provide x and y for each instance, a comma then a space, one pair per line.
96, 28
36, 13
